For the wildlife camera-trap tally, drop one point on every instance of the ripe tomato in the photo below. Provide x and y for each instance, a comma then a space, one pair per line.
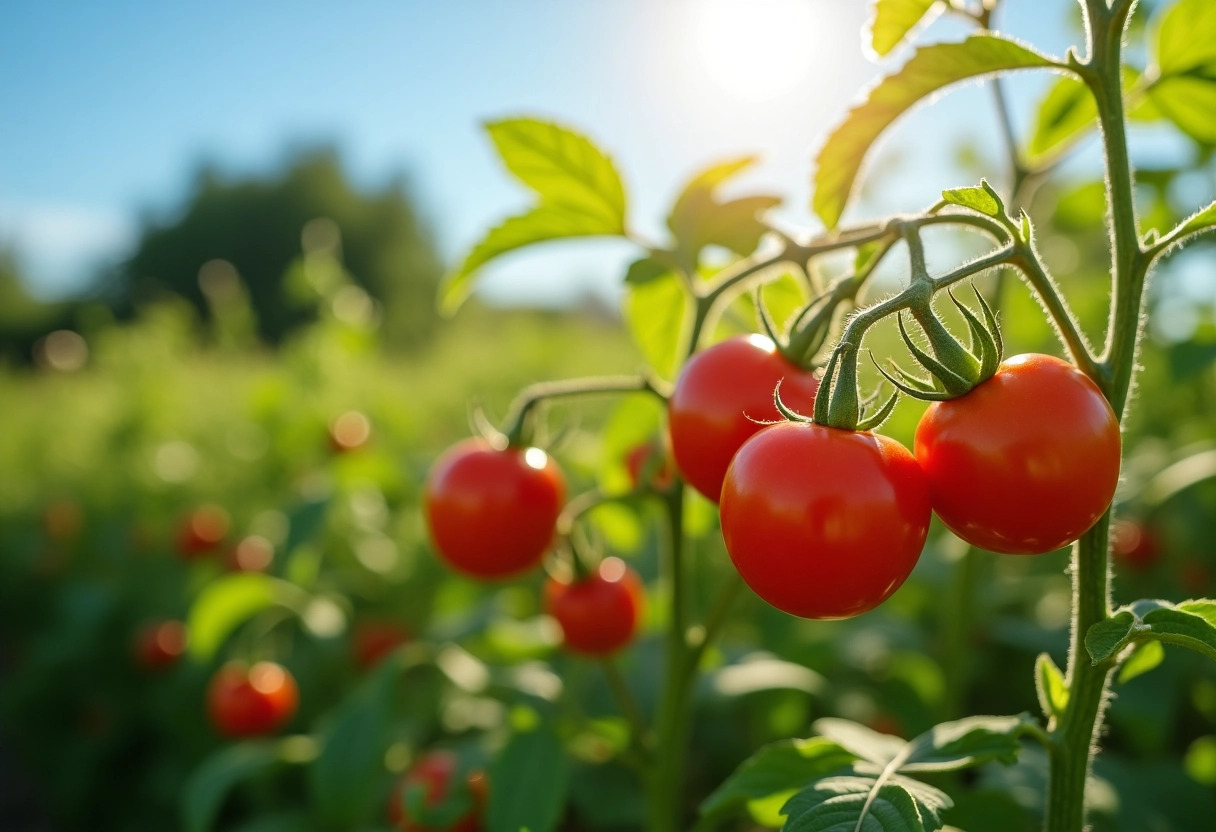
202, 530
160, 644
1134, 544
491, 512
718, 394
1027, 461
373, 640
599, 614
824, 523
649, 456
245, 701
433, 773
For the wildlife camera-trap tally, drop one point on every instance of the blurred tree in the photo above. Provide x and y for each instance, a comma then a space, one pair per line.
260, 226
23, 318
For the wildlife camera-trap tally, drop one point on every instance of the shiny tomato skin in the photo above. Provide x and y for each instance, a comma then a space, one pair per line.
824, 523
1027, 461
245, 701
600, 613
434, 772
720, 398
491, 512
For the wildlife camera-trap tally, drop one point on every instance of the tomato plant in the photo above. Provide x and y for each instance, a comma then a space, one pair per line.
1027, 461
245, 701
431, 785
598, 614
491, 512
722, 396
824, 523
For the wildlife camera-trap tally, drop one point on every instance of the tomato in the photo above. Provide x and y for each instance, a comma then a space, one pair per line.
721, 396
491, 512
1134, 544
202, 531
824, 523
433, 773
1027, 461
160, 644
649, 457
349, 431
373, 640
245, 701
598, 614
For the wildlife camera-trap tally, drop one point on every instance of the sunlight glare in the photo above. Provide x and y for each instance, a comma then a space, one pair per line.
756, 49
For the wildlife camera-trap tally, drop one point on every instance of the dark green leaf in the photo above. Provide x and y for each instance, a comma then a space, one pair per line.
565, 169
892, 20
209, 784
304, 522
1106, 638
967, 743
929, 70
1049, 684
530, 779
656, 314
842, 804
1191, 624
781, 767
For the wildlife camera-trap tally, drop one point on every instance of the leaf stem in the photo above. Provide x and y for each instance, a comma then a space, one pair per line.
521, 408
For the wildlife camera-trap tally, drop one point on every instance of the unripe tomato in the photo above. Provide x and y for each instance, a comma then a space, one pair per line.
433, 774
649, 456
160, 644
721, 396
600, 613
824, 523
1134, 544
491, 512
202, 531
373, 640
1027, 461
245, 701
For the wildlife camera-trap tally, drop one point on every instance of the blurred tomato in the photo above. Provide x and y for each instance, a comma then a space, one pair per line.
160, 644
202, 531
245, 701
432, 777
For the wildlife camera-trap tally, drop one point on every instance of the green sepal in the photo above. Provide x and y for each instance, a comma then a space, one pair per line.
879, 416
994, 329
950, 381
785, 410
917, 390
961, 365
983, 343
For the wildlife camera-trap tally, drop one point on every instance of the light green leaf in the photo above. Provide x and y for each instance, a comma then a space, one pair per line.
1204, 220
564, 168
1185, 42
657, 315
877, 748
782, 767
227, 602
530, 778
897, 804
967, 743
1049, 684
1147, 656
645, 270
1189, 102
1066, 110
699, 219
981, 198
892, 20
541, 224
929, 70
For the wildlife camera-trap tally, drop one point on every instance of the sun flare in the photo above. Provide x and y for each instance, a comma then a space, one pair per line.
756, 49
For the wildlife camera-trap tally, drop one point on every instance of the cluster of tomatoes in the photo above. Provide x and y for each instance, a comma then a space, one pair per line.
820, 522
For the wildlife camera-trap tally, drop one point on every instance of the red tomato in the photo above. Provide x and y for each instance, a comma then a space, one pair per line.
433, 773
373, 640
649, 456
599, 614
1027, 461
721, 396
491, 512
1134, 544
202, 530
245, 701
824, 523
160, 644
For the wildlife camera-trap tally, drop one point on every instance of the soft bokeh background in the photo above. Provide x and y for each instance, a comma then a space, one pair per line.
221, 229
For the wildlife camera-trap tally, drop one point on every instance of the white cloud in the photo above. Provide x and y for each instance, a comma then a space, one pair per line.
61, 246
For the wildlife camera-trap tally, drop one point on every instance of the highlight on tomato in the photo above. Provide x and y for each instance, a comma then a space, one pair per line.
722, 397
821, 522
598, 614
1027, 461
244, 701
491, 512
160, 644
431, 797
202, 531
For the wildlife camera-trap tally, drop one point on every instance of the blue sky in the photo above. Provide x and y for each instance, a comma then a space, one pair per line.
108, 108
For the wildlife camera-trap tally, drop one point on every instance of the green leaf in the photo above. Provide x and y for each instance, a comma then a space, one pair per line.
699, 219
1204, 220
304, 522
1189, 102
564, 168
543, 223
929, 70
892, 20
1107, 638
227, 602
530, 780
1066, 110
843, 804
645, 270
967, 743
210, 783
981, 198
1147, 656
1185, 41
1049, 684
1191, 624
657, 315
869, 745
782, 767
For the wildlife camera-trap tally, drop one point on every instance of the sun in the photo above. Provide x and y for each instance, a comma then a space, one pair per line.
756, 50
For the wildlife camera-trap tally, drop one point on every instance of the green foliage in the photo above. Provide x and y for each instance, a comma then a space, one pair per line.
530, 779
1184, 51
1191, 624
892, 20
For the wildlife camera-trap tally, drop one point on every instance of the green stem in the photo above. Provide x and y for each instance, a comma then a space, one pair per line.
1028, 263
521, 408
